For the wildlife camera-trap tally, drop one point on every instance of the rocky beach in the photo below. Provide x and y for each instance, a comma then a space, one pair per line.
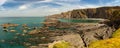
78, 27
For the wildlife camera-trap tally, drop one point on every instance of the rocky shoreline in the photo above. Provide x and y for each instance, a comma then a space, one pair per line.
87, 32
80, 35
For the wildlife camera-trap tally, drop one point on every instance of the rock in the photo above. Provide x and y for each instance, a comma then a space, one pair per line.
25, 31
24, 25
74, 39
34, 47
27, 44
17, 33
6, 25
42, 37
34, 32
97, 33
35, 28
43, 45
60, 44
29, 28
110, 13
101, 12
12, 30
6, 30
23, 34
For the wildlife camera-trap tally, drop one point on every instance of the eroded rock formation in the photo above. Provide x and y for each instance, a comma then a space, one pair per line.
111, 13
102, 12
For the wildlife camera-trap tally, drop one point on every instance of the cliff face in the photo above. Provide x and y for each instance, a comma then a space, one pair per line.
102, 12
111, 13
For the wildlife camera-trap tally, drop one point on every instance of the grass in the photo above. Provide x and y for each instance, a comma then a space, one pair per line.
108, 43
113, 42
116, 34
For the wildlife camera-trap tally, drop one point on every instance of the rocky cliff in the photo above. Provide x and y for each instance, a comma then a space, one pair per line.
111, 13
101, 12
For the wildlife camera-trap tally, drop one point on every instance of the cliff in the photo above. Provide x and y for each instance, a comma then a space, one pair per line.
111, 13
101, 12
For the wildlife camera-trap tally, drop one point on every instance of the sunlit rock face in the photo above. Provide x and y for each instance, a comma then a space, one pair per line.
111, 13
102, 12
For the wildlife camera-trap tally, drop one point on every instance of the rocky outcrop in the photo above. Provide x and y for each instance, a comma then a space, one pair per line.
74, 39
6, 25
34, 32
79, 34
96, 32
90, 32
102, 12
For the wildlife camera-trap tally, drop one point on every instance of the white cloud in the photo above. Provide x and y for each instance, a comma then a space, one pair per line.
41, 11
2, 2
26, 10
23, 7
114, 2
69, 0
47, 1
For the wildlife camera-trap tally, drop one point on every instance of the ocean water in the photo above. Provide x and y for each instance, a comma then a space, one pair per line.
7, 39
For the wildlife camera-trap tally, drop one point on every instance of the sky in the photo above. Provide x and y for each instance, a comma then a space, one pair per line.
40, 8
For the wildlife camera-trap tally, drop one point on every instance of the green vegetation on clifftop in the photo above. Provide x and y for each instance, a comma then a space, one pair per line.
108, 43
116, 34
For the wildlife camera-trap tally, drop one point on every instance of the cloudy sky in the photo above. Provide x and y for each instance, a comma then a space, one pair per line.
17, 8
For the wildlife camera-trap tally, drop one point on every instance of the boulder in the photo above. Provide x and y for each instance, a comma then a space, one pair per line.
74, 39
34, 32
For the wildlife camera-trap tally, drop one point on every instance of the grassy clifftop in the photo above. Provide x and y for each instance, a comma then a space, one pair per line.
113, 42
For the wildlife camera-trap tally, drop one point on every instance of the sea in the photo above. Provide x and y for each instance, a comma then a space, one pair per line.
8, 39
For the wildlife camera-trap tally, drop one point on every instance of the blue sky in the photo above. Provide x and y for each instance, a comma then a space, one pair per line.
17, 8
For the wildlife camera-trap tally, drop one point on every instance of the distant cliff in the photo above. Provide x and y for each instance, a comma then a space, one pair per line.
111, 13
102, 12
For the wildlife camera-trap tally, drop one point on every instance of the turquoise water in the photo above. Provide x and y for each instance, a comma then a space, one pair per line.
80, 20
7, 39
